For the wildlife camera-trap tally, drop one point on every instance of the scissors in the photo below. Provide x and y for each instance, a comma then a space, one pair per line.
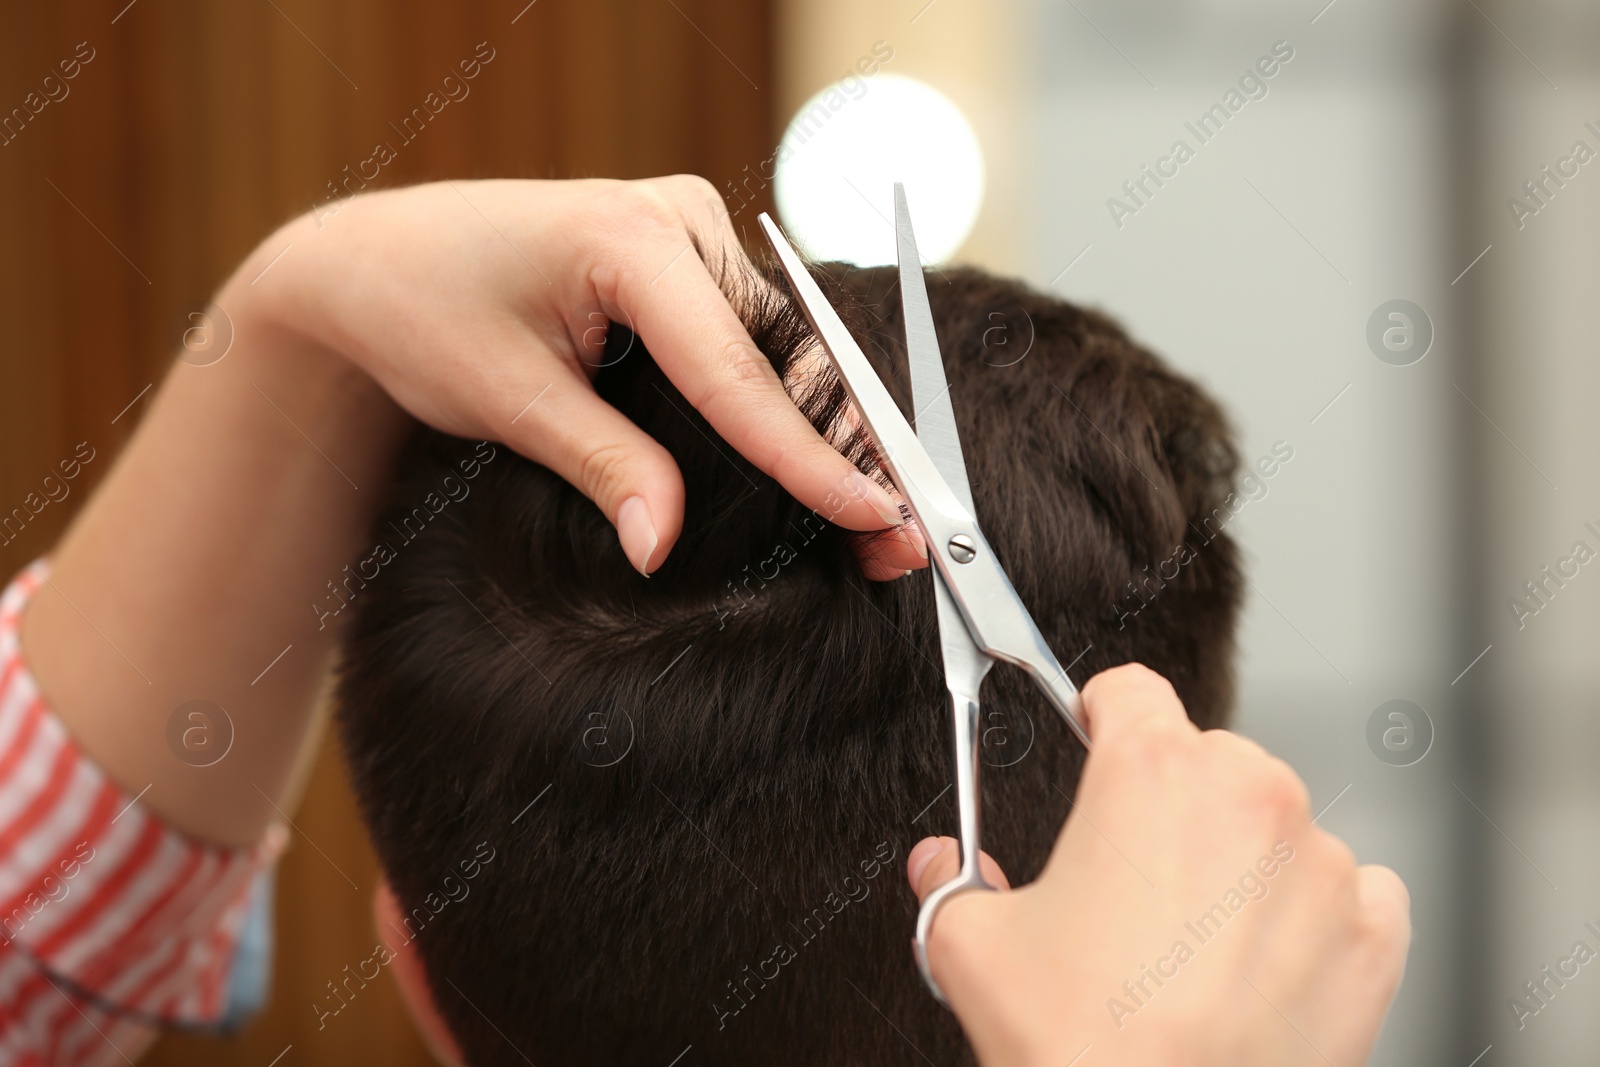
981, 619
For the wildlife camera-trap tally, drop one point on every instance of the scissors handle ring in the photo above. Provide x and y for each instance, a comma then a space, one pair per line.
967, 881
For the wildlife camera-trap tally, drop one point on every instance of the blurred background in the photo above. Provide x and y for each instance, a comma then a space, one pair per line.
1380, 256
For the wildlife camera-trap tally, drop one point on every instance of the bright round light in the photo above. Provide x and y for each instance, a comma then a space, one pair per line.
841, 155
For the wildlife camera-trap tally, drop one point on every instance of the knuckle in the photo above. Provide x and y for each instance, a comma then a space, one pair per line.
1386, 916
649, 202
1393, 890
1269, 784
692, 188
1128, 682
741, 370
1282, 789
1126, 676
1140, 674
745, 362
604, 471
623, 257
613, 261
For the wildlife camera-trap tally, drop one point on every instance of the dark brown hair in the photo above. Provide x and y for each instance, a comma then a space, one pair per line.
698, 789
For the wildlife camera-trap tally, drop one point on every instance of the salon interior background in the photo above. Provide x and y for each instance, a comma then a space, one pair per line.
1377, 162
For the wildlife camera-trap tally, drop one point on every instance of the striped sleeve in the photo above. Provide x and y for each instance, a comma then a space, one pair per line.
107, 900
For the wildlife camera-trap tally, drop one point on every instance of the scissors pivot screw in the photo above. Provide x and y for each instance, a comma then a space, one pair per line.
962, 550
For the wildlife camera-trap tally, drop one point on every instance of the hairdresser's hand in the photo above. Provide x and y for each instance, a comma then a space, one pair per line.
1190, 913
481, 308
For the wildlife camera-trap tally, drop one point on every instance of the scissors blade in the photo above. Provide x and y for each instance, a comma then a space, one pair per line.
915, 473
930, 392
996, 619
964, 664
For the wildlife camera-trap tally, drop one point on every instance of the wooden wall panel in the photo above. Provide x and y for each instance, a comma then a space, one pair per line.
197, 128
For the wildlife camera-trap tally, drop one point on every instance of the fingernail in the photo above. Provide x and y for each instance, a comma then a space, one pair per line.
927, 850
876, 495
637, 533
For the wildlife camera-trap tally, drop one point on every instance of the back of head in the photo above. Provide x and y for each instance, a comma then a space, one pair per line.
698, 789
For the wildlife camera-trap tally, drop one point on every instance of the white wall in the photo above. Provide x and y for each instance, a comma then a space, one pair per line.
1255, 269
1383, 555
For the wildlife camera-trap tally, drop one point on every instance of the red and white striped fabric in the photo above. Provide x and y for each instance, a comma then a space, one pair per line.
111, 923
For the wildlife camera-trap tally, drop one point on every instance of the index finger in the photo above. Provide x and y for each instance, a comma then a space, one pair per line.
1128, 700
700, 343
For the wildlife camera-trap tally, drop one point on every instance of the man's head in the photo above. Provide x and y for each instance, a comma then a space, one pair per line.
697, 790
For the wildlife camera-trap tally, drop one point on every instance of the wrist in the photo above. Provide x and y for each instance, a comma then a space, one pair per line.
272, 309
271, 296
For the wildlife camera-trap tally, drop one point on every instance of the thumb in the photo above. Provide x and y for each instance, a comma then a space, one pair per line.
936, 860
625, 471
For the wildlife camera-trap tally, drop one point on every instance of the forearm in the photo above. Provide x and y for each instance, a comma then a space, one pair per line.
197, 569
247, 488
